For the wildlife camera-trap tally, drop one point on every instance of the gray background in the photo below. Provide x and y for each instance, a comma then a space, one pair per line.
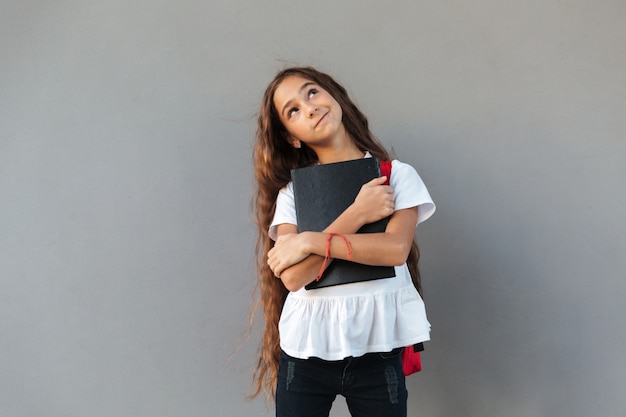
126, 237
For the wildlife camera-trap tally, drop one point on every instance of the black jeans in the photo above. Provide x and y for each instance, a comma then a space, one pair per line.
373, 386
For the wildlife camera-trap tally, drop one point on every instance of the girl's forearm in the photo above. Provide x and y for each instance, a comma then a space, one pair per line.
302, 273
390, 248
384, 249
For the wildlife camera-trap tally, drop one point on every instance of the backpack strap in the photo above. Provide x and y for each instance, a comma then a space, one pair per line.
385, 170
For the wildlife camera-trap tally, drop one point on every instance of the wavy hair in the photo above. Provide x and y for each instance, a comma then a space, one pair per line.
273, 158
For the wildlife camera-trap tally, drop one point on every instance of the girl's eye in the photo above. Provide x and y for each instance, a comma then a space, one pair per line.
291, 112
312, 92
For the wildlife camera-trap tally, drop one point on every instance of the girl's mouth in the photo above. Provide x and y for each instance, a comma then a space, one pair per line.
320, 120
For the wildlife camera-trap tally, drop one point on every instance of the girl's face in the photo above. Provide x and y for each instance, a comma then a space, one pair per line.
309, 113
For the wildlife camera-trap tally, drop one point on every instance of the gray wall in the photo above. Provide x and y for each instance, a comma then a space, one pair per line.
126, 239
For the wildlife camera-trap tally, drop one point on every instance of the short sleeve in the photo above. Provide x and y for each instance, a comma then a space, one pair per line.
410, 191
285, 210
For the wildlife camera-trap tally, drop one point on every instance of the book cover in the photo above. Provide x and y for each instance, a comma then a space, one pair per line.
322, 193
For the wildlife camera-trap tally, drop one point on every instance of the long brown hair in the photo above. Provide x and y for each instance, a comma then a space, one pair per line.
273, 159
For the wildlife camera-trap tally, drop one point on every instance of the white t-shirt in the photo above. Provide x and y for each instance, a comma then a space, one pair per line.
336, 322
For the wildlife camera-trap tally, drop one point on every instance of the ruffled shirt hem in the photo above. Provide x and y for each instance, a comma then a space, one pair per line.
336, 327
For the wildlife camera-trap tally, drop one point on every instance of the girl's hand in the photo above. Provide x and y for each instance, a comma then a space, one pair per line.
375, 201
289, 249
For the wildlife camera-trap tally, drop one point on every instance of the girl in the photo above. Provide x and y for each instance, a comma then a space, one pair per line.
344, 339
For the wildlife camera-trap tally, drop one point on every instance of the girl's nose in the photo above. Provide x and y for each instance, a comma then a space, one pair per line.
313, 111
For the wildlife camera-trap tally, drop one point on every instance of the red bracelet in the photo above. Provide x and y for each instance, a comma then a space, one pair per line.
327, 257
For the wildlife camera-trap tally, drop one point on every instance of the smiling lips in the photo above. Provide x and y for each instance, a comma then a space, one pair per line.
320, 120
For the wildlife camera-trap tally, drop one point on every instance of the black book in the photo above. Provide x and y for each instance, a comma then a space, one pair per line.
322, 193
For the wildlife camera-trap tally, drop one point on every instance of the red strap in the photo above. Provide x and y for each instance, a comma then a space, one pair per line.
385, 170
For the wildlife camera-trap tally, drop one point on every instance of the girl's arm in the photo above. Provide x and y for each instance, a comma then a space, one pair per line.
375, 201
390, 248
297, 258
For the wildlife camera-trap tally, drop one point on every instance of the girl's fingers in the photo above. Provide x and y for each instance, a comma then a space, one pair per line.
274, 266
376, 181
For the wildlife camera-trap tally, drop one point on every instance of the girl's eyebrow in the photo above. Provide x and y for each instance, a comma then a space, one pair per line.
288, 103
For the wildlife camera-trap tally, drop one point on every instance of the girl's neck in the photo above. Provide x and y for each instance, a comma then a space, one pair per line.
335, 156
339, 154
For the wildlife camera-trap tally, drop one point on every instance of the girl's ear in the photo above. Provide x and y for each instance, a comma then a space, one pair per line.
296, 143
